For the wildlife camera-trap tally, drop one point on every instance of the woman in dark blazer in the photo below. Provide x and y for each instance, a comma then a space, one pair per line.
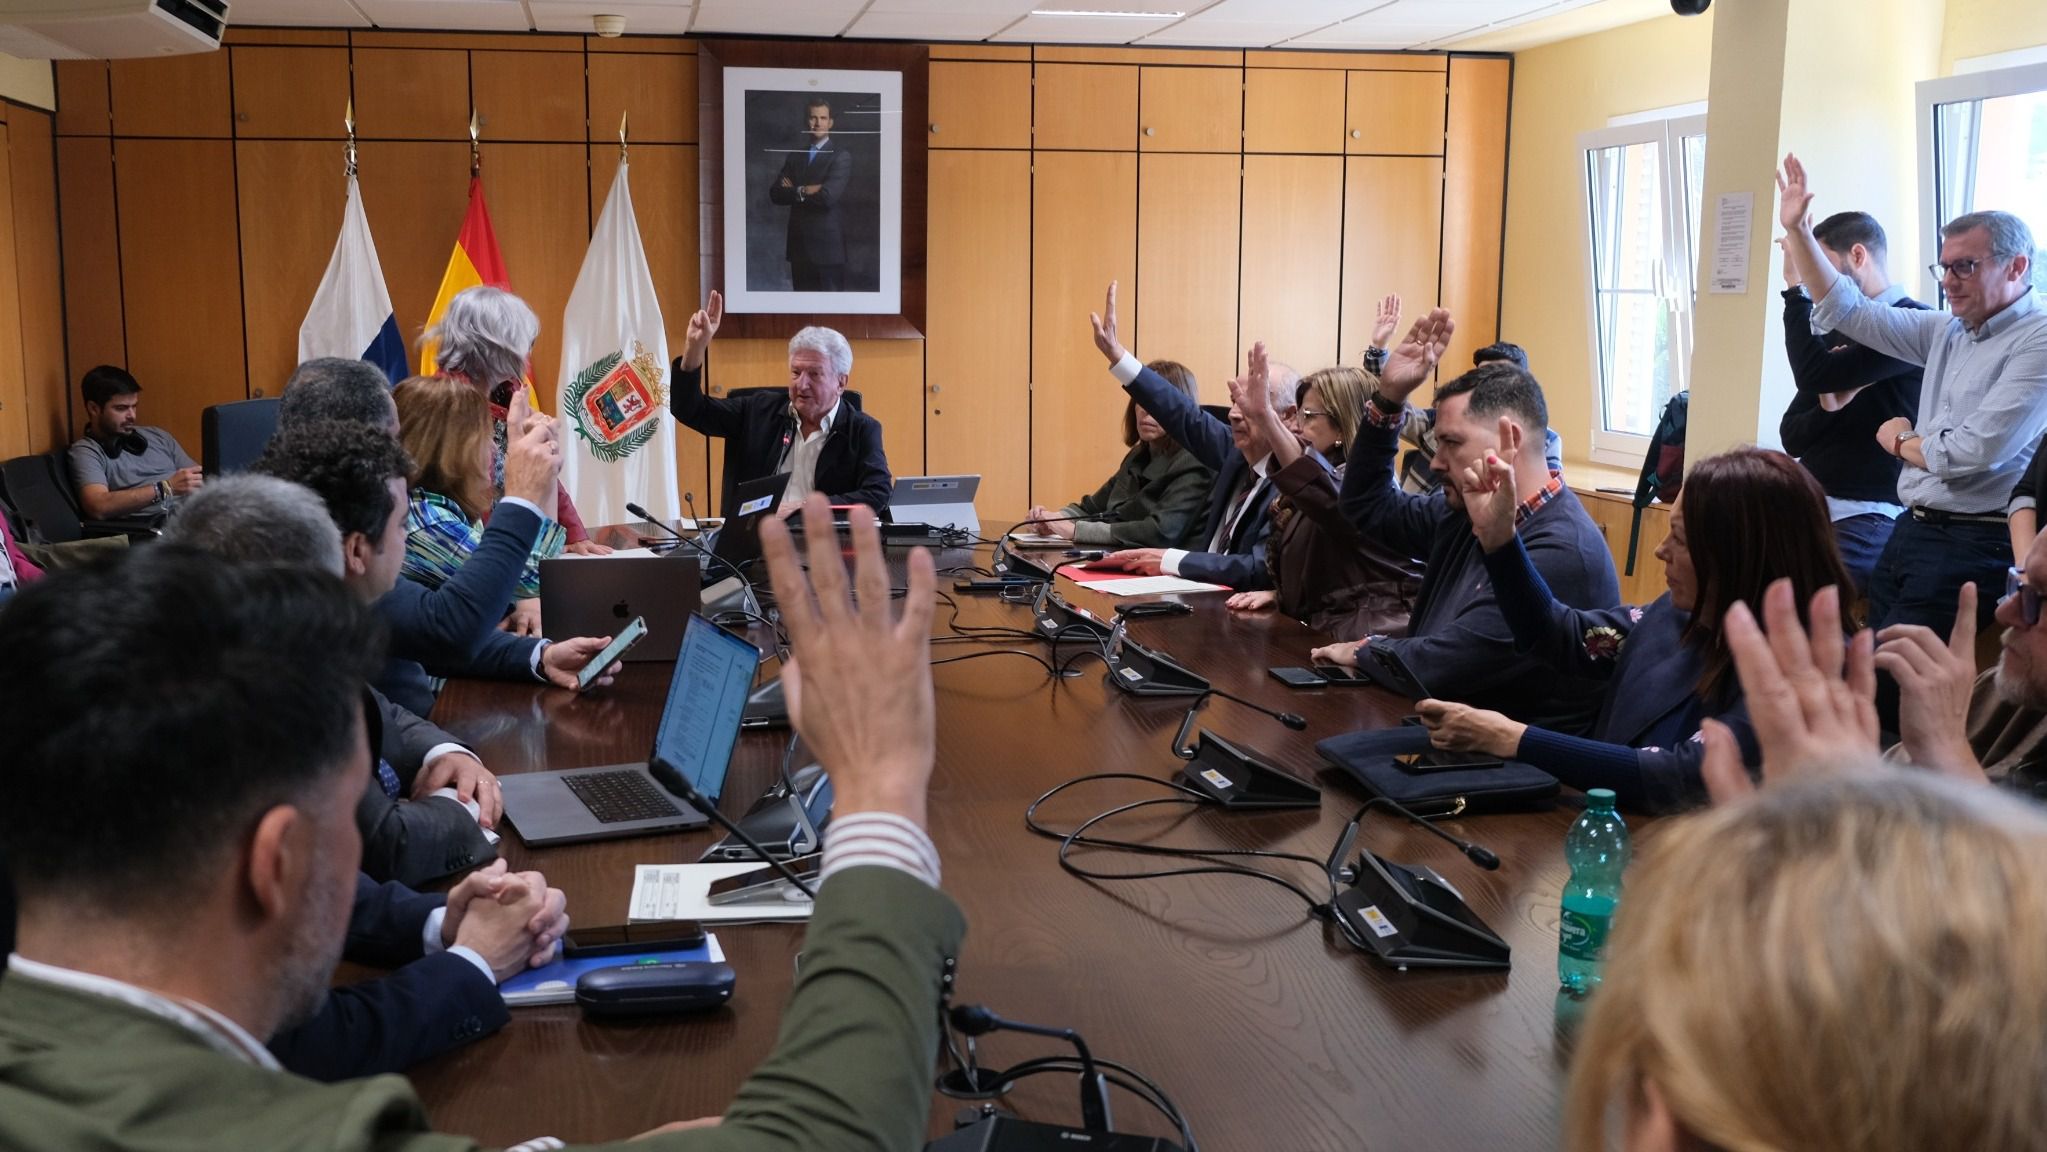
1156, 497
1743, 519
1324, 573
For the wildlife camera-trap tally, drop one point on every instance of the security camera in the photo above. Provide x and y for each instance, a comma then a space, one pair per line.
609, 27
1690, 7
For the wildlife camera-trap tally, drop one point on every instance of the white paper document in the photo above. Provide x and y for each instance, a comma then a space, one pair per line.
1730, 243
1147, 585
683, 892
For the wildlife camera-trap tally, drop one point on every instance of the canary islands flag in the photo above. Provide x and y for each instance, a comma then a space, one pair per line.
351, 313
474, 261
614, 376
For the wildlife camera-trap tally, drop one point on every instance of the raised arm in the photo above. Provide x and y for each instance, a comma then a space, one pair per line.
1190, 427
1252, 393
711, 415
1372, 497
1907, 334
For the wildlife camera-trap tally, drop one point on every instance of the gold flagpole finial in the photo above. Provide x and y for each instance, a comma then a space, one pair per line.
621, 136
475, 153
348, 121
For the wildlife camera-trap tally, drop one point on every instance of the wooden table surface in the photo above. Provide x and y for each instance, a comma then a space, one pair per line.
1262, 1023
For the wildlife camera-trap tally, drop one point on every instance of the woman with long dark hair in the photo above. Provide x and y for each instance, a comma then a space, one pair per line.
1157, 495
1743, 519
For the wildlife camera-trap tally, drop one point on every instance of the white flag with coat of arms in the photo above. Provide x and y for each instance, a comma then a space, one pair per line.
618, 438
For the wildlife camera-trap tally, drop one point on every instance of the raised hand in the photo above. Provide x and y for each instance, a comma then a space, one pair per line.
1491, 496
1408, 366
1105, 328
1794, 195
1387, 321
1935, 680
703, 324
1791, 276
533, 454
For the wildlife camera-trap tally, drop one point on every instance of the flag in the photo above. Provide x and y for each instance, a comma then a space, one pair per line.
351, 314
618, 438
474, 261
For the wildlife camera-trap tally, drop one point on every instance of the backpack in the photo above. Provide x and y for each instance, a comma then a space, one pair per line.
1663, 467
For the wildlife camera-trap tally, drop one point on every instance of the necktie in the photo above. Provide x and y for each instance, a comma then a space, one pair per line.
387, 778
1228, 527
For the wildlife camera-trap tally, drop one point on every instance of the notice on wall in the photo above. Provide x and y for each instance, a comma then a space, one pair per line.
1730, 243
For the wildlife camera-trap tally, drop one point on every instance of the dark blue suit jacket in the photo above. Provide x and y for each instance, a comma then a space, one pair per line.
1243, 566
815, 233
452, 630
430, 1005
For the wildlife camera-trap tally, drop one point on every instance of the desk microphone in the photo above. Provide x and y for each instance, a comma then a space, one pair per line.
709, 556
1477, 854
680, 785
1185, 750
977, 1020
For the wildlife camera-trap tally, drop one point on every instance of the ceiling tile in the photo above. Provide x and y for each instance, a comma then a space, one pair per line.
1083, 29
298, 13
640, 19
1228, 33
930, 25
1311, 12
1007, 9
776, 17
464, 15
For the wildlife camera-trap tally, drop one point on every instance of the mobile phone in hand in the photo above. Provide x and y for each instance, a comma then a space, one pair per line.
627, 636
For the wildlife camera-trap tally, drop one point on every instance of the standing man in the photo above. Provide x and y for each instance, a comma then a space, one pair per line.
813, 179
1980, 413
121, 469
1845, 393
824, 443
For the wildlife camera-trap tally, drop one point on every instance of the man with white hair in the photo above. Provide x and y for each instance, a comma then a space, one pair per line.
824, 443
1238, 523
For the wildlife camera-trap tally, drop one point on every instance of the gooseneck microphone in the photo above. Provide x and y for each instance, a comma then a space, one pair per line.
643, 514
680, 785
1478, 854
1183, 747
710, 557
977, 1020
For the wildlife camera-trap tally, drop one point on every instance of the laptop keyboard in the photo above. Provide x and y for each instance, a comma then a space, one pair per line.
616, 797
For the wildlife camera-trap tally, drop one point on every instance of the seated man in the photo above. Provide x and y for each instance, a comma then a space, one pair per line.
154, 954
426, 808
121, 469
1238, 522
825, 444
1458, 645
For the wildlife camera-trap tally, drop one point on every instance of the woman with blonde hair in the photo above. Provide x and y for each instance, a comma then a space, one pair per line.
445, 425
1856, 962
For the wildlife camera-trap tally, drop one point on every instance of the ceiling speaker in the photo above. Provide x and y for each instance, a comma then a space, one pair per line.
1690, 7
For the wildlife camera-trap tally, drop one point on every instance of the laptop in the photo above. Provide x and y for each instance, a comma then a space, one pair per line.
940, 501
738, 540
699, 727
597, 595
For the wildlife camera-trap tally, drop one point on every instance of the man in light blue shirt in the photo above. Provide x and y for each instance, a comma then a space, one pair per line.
1982, 407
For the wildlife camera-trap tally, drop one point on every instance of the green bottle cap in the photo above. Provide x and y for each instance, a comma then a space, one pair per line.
1600, 797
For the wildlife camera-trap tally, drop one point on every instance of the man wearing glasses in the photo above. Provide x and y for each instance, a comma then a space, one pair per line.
1982, 408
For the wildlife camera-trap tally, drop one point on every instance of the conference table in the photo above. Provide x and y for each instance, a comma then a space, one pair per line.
1267, 1028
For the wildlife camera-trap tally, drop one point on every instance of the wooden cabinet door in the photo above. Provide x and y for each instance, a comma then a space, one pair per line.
291, 196
172, 96
540, 209
95, 330
1188, 208
977, 347
1475, 202
529, 96
1395, 114
1293, 110
657, 93
979, 104
1293, 210
1191, 109
1392, 239
34, 172
411, 94
14, 431
1083, 235
292, 92
1085, 106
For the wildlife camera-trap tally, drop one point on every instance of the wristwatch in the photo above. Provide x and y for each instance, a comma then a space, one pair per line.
1898, 442
163, 491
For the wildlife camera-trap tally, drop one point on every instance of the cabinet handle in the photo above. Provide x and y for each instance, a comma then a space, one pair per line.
934, 128
1355, 134
934, 389
1147, 130
256, 393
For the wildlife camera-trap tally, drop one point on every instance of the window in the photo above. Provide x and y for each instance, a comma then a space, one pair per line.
1983, 145
1643, 191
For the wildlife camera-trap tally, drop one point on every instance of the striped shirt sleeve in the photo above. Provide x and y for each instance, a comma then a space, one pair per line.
881, 839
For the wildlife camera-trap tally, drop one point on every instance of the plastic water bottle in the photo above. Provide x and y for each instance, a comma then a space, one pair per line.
1597, 849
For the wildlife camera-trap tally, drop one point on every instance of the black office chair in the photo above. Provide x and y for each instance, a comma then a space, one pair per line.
727, 482
39, 489
232, 435
1219, 411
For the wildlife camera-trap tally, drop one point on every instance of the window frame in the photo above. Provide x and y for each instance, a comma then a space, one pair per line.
1677, 279
1930, 95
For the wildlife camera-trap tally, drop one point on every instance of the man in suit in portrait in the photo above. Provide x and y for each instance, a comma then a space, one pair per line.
813, 180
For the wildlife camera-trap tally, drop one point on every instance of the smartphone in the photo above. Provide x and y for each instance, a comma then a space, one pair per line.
1154, 608
627, 636
760, 882
1338, 674
999, 584
1440, 760
674, 935
1297, 677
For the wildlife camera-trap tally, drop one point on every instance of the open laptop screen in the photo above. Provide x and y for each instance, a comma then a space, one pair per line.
700, 723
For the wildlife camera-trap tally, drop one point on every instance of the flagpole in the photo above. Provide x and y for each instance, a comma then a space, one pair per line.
348, 121
475, 153
621, 137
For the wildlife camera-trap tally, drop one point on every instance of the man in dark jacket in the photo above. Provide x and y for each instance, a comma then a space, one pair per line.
812, 182
814, 431
1845, 393
1458, 644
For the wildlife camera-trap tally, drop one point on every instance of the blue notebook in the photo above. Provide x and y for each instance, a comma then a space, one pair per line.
556, 982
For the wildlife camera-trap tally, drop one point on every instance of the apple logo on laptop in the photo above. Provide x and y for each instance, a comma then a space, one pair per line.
621, 610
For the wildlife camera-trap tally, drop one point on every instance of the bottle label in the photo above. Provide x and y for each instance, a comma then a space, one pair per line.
1582, 935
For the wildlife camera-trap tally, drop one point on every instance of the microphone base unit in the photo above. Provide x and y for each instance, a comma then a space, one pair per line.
1058, 620
1238, 779
1141, 672
766, 707
1005, 1133
1408, 916
786, 825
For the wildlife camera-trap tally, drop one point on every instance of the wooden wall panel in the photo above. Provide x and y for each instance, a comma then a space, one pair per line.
1380, 61
296, 93
1392, 239
1395, 114
1083, 235
539, 198
1191, 110
980, 105
1092, 106
977, 348
1188, 208
291, 195
40, 273
405, 94
1291, 275
172, 96
181, 278
664, 181
530, 95
95, 328
414, 194
1293, 110
82, 98
1475, 201
659, 93
14, 435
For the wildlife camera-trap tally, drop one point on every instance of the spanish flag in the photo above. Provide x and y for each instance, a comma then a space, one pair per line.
474, 261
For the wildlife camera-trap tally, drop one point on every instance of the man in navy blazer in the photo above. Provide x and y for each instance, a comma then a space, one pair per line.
1458, 644
812, 182
1234, 531
449, 953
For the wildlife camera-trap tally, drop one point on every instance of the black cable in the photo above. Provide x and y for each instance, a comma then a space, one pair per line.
1050, 671
1121, 1075
984, 631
